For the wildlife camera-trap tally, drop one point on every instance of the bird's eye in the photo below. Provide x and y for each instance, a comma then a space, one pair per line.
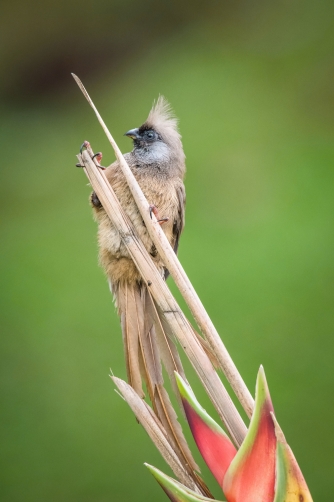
150, 134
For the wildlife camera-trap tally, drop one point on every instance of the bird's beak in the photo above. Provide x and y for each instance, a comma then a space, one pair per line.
133, 133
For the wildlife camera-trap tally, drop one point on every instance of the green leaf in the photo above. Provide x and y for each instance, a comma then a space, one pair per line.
175, 490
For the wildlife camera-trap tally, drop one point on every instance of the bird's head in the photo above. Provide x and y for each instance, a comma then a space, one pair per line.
158, 139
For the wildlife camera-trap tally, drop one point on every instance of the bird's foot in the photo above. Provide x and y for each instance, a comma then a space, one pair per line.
95, 201
97, 156
153, 209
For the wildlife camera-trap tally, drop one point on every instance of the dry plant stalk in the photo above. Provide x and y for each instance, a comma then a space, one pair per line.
177, 272
154, 429
165, 300
288, 479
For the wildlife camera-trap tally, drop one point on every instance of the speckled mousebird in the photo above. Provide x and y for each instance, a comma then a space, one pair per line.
158, 163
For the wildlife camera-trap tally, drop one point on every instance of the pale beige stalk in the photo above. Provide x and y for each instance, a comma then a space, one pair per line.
180, 277
154, 429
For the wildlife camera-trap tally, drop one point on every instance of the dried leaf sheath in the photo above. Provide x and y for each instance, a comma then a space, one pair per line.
146, 416
153, 427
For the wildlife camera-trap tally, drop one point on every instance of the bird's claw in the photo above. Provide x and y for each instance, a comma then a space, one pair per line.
85, 144
163, 220
153, 209
97, 156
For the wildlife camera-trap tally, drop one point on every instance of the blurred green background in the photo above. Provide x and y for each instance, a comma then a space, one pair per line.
252, 84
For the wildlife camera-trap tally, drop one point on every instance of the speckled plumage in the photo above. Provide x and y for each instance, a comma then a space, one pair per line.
159, 169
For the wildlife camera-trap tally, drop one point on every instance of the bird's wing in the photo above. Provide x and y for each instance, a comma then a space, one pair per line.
180, 220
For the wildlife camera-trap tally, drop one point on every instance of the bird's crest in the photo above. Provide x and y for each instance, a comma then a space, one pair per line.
162, 119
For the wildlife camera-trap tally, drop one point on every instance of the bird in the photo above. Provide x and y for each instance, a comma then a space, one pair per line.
157, 161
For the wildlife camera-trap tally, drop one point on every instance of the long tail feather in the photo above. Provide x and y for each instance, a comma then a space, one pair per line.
167, 346
168, 351
147, 339
147, 342
127, 310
